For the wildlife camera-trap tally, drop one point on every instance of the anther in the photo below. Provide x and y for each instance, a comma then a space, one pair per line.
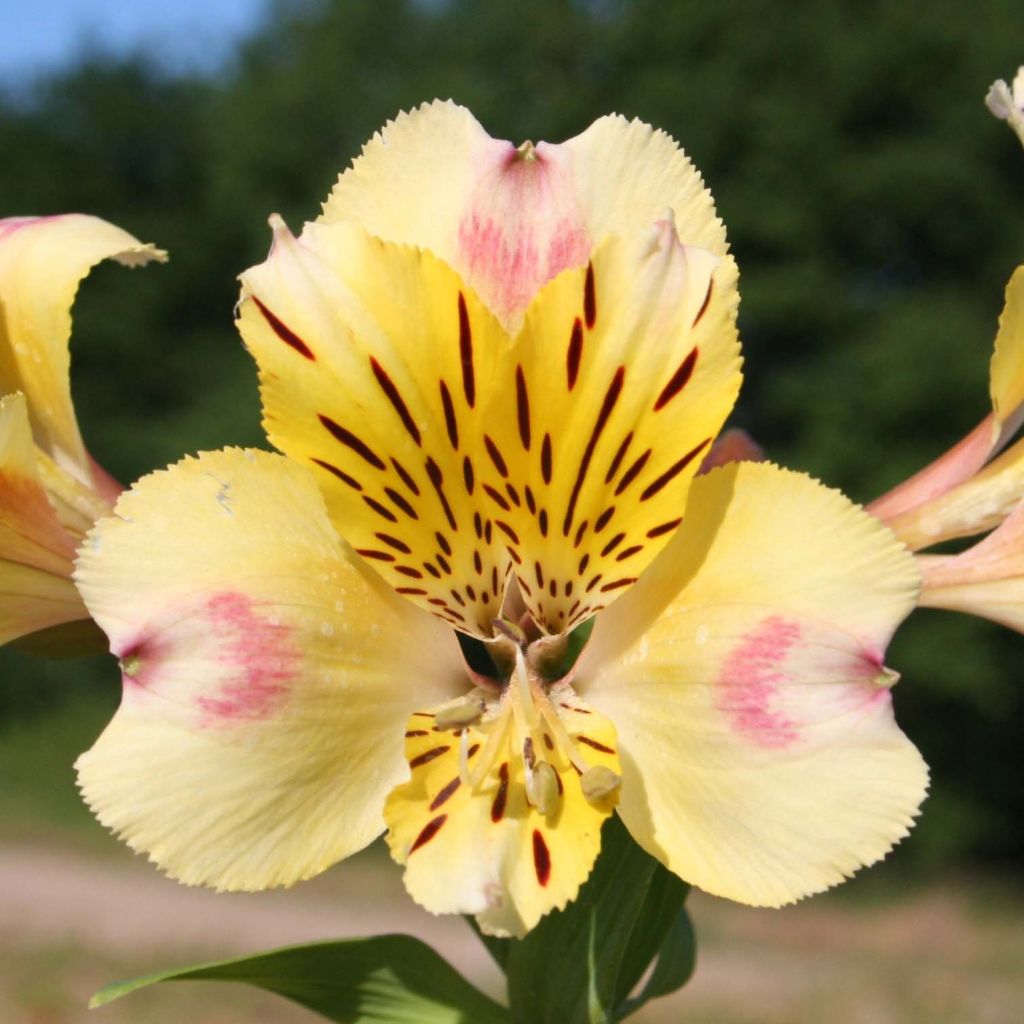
457, 716
599, 781
542, 787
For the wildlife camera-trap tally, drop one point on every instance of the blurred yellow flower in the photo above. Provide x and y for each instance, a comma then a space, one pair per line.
51, 491
972, 489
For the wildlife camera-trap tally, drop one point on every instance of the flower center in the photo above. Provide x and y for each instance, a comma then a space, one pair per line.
525, 722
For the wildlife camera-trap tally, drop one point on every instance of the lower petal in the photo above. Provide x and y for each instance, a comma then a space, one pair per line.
482, 828
761, 760
267, 675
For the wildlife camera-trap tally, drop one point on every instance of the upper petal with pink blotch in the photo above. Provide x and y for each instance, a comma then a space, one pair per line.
509, 218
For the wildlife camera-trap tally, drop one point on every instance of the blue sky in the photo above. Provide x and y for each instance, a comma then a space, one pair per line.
38, 35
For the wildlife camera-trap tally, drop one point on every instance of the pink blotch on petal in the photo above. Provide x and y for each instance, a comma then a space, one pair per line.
521, 228
258, 657
10, 225
750, 679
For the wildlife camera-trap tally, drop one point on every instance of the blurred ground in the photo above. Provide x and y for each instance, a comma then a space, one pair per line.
946, 954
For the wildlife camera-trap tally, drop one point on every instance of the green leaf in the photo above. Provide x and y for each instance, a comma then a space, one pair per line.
578, 966
676, 961
388, 979
498, 948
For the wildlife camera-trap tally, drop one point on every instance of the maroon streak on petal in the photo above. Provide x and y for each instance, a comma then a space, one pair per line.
347, 438
428, 756
445, 793
286, 334
523, 408
405, 475
340, 474
496, 457
610, 398
466, 353
704, 306
451, 424
589, 298
677, 382
545, 459
434, 474
501, 797
574, 354
657, 531
619, 456
430, 830
633, 472
394, 396
674, 470
595, 744
541, 858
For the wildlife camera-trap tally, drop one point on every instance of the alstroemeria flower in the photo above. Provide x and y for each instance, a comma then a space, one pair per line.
494, 437
972, 489
51, 490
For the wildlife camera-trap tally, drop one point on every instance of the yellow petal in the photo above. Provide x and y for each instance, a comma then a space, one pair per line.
36, 552
510, 219
1006, 374
268, 674
624, 373
512, 831
987, 579
446, 451
380, 370
745, 677
42, 262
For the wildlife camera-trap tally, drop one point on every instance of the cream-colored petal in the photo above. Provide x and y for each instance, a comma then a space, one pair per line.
510, 219
42, 262
268, 674
380, 370
745, 677
36, 552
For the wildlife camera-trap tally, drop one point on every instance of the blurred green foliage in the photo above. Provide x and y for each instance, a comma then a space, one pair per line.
874, 206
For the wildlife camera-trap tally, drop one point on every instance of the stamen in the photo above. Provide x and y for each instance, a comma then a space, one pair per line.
457, 716
524, 692
495, 741
554, 723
